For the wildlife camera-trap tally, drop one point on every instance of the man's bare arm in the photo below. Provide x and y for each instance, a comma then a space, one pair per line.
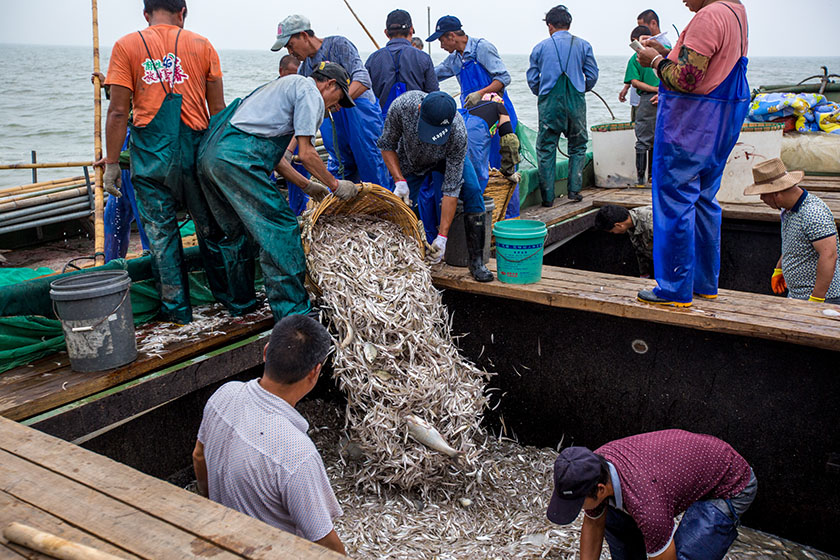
117, 122
332, 542
826, 265
312, 162
200, 468
215, 95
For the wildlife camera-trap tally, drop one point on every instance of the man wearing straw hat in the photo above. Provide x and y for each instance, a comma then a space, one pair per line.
808, 268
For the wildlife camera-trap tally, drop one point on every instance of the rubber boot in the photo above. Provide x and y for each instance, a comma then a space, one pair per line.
474, 227
641, 167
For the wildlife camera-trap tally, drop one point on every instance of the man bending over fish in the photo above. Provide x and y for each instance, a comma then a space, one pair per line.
253, 454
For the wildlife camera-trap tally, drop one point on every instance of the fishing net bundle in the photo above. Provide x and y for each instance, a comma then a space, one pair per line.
395, 356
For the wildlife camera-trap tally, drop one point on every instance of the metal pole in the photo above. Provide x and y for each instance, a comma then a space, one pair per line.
429, 26
99, 199
34, 171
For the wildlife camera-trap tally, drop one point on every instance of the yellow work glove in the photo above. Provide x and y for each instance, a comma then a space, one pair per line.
817, 299
777, 281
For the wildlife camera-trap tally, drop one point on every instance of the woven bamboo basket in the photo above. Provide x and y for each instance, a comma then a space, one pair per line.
373, 200
501, 191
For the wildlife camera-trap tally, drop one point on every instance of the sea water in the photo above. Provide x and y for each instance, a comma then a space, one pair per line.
46, 100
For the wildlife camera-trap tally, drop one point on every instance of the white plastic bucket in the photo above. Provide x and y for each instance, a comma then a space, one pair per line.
758, 142
614, 152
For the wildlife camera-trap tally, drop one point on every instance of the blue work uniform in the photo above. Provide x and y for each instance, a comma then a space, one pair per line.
694, 136
476, 69
350, 135
398, 67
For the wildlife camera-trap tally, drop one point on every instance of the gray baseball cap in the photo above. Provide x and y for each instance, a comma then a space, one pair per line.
292, 25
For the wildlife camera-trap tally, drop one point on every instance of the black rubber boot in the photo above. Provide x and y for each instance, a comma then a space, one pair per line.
474, 225
641, 167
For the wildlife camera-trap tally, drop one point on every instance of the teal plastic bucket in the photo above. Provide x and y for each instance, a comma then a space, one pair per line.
519, 250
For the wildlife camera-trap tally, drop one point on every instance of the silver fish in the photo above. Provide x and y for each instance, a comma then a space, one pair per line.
425, 433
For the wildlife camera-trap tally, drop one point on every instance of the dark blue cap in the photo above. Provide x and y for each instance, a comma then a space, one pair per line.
437, 111
445, 25
576, 472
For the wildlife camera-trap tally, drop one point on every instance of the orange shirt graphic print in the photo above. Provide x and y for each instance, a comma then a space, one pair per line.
169, 70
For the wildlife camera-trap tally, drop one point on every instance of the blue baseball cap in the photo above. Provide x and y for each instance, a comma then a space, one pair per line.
437, 111
576, 472
445, 25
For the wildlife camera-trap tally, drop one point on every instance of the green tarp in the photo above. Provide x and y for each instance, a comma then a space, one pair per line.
28, 327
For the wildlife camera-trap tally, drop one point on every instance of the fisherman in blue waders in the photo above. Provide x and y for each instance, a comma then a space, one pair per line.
703, 101
483, 121
172, 79
245, 143
398, 67
350, 134
424, 138
479, 69
562, 70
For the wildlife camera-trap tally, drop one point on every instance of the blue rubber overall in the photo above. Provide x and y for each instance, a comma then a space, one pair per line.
119, 213
474, 77
694, 137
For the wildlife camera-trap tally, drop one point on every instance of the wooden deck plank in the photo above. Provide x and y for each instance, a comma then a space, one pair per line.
108, 519
13, 509
616, 295
563, 208
758, 211
821, 183
226, 528
25, 392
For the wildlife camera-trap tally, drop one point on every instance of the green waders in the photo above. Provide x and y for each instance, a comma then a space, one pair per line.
234, 168
163, 170
561, 111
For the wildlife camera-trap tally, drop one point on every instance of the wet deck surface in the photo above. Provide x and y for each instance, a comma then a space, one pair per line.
78, 495
49, 383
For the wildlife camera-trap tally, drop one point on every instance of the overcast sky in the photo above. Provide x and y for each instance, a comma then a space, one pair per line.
514, 26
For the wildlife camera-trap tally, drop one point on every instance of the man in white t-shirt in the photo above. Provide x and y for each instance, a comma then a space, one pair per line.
253, 454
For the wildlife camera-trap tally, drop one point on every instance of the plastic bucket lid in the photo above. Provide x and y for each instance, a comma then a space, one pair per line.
89, 285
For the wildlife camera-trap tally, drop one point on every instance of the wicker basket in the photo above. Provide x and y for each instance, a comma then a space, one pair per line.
373, 200
501, 191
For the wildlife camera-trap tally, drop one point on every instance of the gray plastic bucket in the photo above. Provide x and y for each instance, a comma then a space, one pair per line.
456, 245
95, 313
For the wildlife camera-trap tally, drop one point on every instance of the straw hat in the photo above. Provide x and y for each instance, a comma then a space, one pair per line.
771, 176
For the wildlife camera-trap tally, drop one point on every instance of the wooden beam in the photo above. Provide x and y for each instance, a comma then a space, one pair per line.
98, 411
740, 313
208, 523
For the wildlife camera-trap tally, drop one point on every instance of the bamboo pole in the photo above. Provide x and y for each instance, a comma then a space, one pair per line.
8, 191
46, 165
360, 23
40, 192
43, 199
99, 199
52, 545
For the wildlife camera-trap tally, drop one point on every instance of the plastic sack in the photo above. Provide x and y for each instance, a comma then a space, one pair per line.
811, 152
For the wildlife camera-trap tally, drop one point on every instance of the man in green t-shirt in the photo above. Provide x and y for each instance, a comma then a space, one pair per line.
647, 85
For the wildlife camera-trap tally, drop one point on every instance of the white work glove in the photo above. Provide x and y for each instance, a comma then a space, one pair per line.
436, 250
346, 190
402, 191
473, 99
315, 190
111, 181
515, 177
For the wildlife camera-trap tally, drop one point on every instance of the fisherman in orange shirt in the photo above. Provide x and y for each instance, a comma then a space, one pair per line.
173, 79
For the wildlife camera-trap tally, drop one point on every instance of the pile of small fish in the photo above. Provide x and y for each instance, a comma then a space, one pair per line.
208, 320
414, 404
501, 518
